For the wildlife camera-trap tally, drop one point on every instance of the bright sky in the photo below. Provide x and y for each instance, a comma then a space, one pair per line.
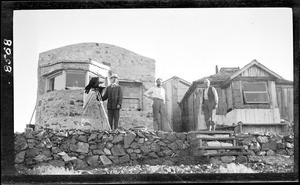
187, 43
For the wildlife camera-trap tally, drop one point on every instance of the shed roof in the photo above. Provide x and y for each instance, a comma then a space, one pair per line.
221, 76
254, 62
226, 74
180, 79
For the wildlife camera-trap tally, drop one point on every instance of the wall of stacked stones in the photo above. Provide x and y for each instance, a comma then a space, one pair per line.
257, 144
88, 149
82, 149
63, 109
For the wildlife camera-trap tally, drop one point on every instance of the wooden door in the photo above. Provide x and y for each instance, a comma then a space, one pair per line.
200, 115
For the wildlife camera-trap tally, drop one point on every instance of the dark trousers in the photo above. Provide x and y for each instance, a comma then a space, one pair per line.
207, 109
113, 118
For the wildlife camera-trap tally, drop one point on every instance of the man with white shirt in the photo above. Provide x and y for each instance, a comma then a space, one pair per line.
209, 104
157, 94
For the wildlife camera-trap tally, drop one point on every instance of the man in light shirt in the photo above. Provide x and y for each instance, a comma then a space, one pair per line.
209, 104
157, 94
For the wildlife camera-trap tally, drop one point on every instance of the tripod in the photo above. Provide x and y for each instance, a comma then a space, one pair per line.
98, 95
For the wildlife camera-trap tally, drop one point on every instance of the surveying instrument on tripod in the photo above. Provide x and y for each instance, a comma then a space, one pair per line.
94, 89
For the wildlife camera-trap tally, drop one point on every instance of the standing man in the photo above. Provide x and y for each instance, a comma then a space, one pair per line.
157, 94
209, 104
114, 97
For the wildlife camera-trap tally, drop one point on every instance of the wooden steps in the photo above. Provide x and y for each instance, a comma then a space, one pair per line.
211, 132
221, 147
229, 154
234, 128
251, 127
217, 138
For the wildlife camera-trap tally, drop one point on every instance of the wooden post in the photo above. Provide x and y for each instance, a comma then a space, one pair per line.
240, 127
200, 142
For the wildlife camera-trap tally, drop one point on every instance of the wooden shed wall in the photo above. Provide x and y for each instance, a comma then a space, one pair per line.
229, 97
198, 109
191, 117
253, 116
255, 71
178, 91
175, 91
234, 95
222, 105
185, 116
285, 99
169, 100
181, 90
237, 96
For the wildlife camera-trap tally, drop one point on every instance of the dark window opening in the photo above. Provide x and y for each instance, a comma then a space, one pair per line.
75, 79
255, 92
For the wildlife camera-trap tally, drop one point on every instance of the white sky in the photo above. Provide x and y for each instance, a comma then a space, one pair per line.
187, 43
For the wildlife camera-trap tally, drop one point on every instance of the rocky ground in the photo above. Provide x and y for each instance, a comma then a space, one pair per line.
256, 164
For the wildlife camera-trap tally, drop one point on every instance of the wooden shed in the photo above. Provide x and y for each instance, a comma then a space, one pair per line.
175, 88
253, 95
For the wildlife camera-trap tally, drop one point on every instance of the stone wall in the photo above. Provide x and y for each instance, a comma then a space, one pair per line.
89, 149
258, 144
83, 149
63, 109
267, 144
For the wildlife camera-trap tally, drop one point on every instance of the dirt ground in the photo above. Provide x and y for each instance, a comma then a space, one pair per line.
276, 159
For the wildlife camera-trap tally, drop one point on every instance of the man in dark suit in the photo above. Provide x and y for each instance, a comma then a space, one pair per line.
114, 97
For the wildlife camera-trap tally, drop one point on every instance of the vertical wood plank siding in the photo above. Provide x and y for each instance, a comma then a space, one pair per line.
272, 93
285, 99
169, 100
191, 112
229, 97
254, 116
236, 94
254, 71
222, 106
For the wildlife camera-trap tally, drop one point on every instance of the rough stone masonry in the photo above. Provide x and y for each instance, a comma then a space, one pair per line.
83, 149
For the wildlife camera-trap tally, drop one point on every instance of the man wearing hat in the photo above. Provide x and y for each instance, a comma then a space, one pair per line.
114, 97
209, 104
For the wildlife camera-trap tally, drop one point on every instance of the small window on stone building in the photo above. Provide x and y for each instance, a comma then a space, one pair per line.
75, 79
255, 92
55, 82
66, 80
131, 95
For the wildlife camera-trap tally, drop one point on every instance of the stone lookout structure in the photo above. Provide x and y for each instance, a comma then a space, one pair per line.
64, 72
